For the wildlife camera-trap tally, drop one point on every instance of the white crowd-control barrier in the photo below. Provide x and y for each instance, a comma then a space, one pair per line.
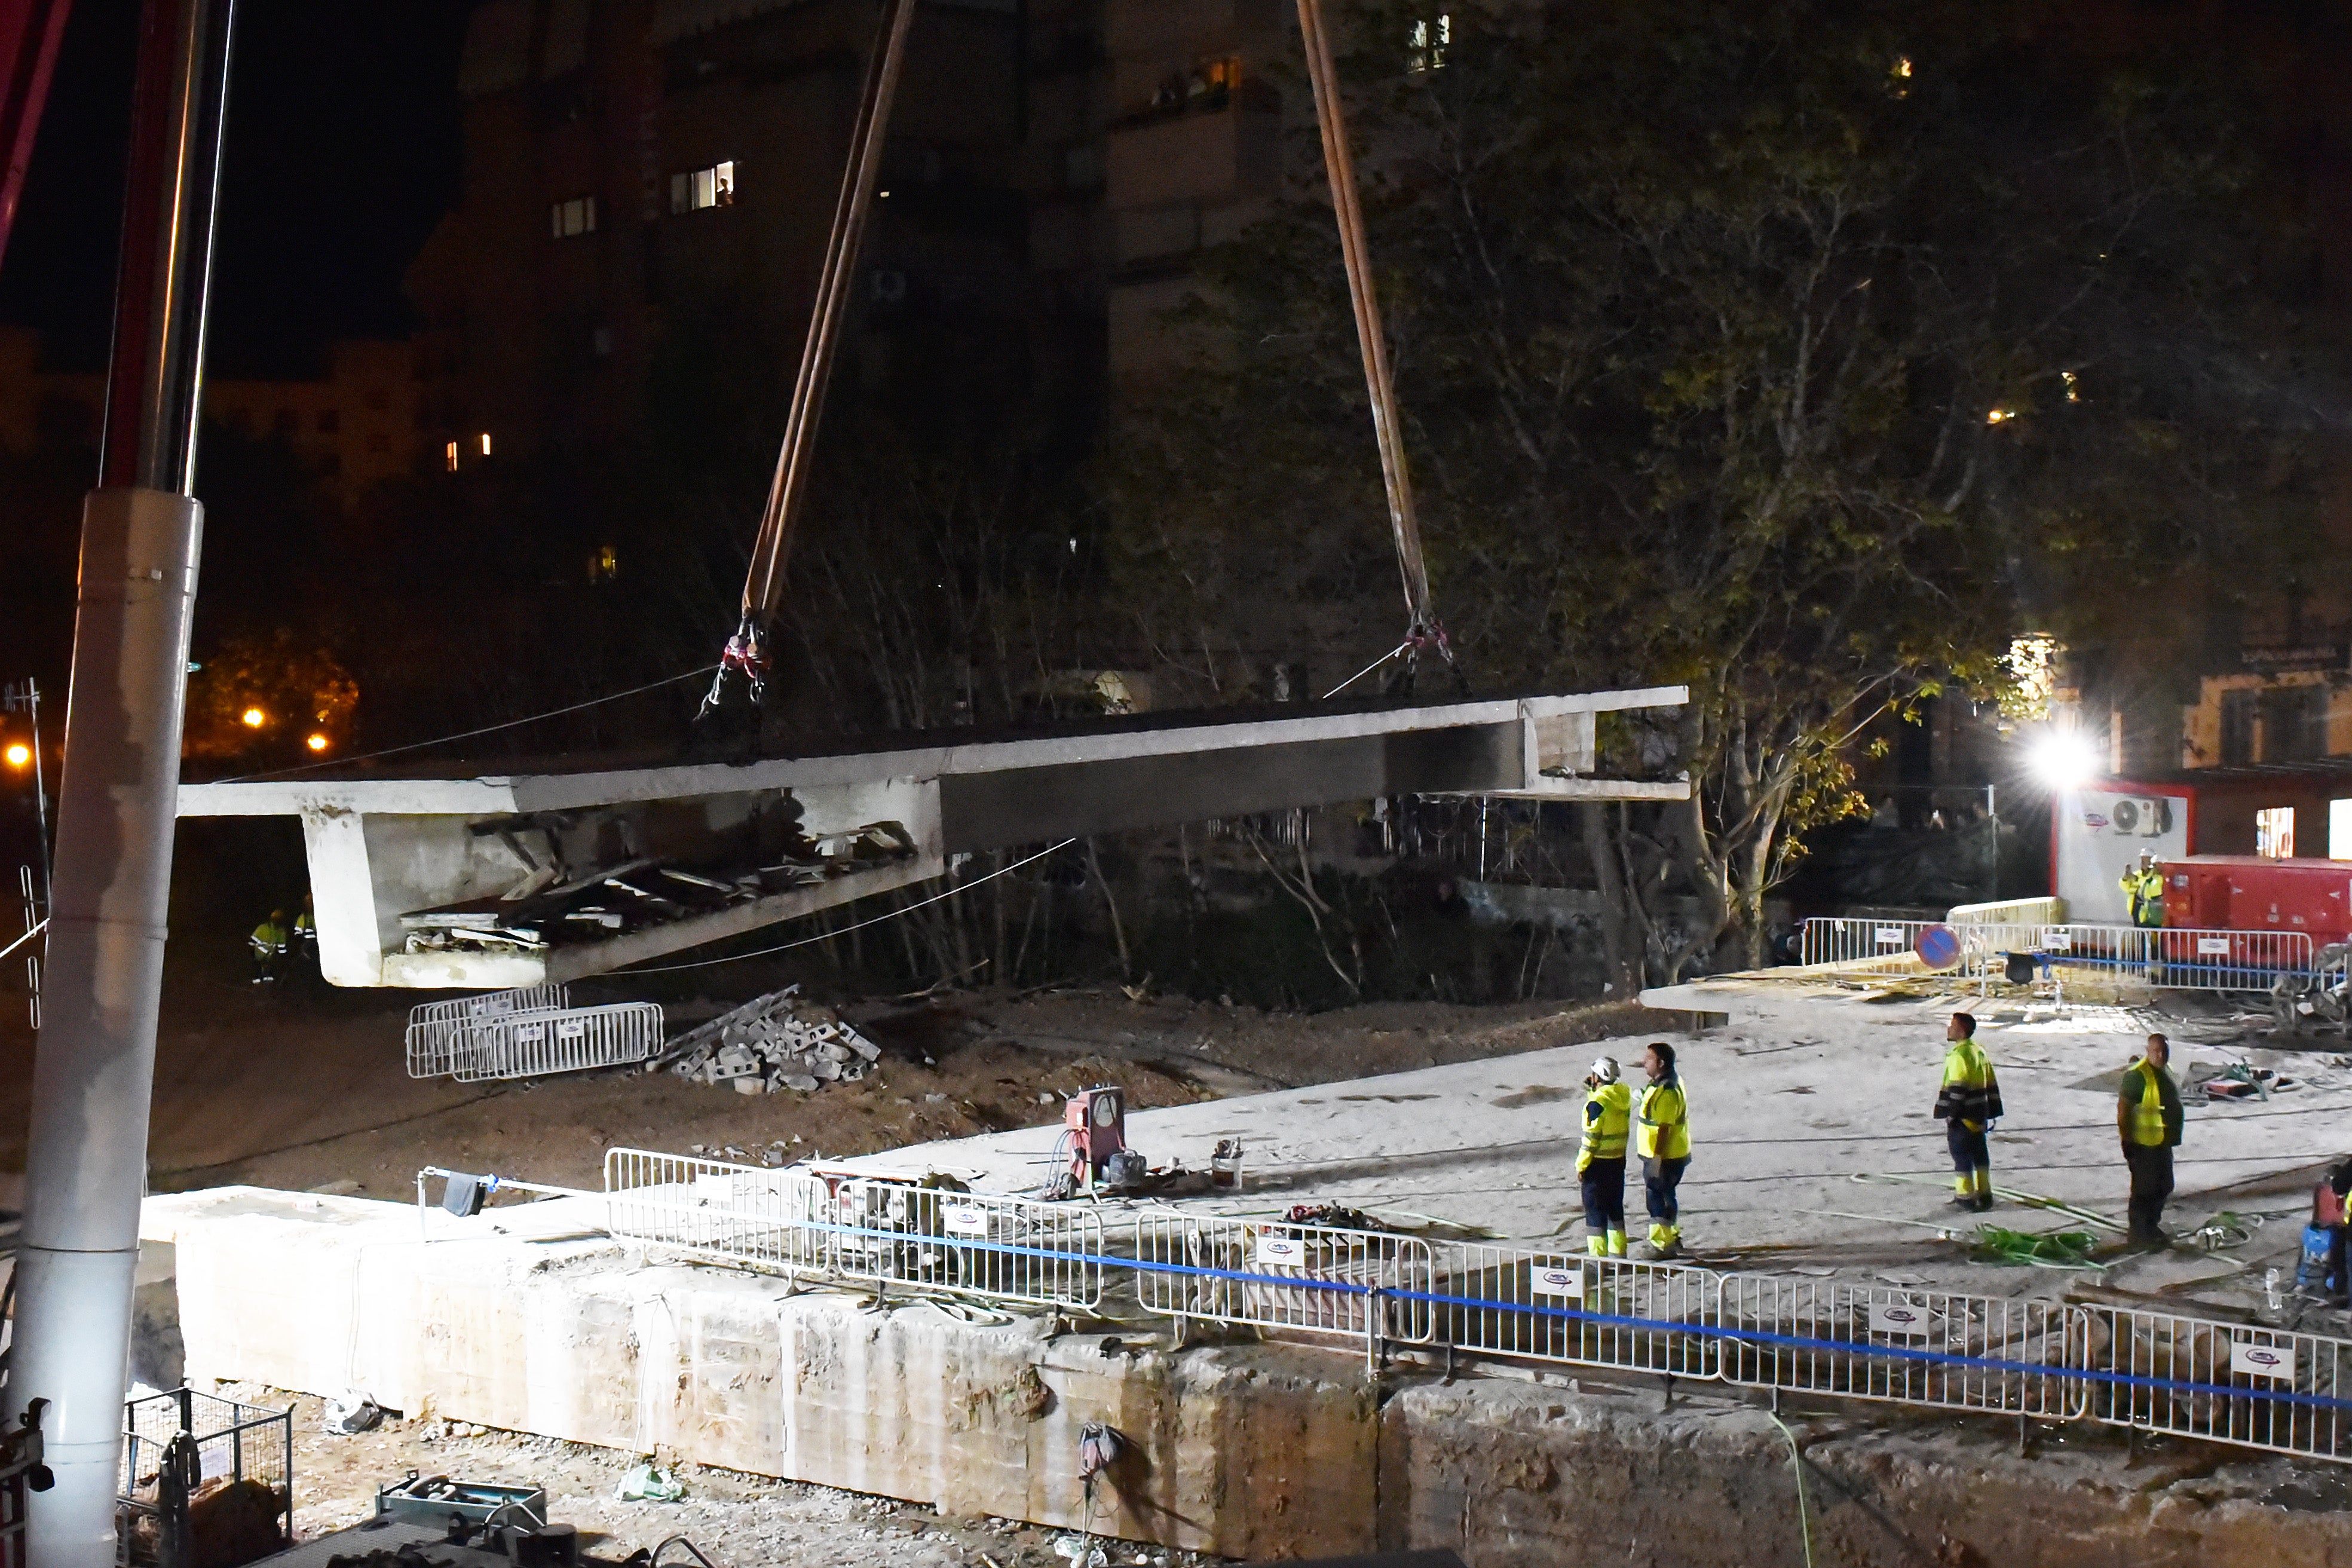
2250, 1386
537, 1041
439, 1031
2166, 958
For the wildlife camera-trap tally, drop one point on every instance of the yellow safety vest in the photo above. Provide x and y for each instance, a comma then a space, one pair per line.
2146, 1127
1666, 1123
1608, 1116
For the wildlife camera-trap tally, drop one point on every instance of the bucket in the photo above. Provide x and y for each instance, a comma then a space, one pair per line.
1225, 1165
2311, 1266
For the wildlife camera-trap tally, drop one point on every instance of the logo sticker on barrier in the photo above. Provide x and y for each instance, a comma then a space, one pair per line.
1286, 1251
531, 1033
1565, 1283
572, 1029
2263, 1361
1890, 936
964, 1219
2058, 940
1899, 1318
2212, 947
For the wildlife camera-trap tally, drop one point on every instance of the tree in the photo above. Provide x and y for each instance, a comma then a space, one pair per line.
1799, 350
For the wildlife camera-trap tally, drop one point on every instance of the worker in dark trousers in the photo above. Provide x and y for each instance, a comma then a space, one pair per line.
2327, 1212
2147, 1119
1662, 1139
1968, 1105
269, 944
305, 940
1601, 1162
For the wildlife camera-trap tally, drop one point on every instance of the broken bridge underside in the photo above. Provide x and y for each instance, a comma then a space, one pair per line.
473, 883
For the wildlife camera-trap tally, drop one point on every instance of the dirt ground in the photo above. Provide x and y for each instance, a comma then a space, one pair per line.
732, 1518
309, 1089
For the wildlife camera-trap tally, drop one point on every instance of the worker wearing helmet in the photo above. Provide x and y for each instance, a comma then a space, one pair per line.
1661, 1139
1968, 1105
2143, 886
1601, 1162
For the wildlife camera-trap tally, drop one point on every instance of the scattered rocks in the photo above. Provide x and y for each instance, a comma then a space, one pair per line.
773, 1042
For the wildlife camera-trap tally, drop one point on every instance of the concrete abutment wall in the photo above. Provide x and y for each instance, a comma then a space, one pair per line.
524, 1320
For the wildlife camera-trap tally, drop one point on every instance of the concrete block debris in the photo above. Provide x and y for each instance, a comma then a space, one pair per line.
552, 907
773, 1042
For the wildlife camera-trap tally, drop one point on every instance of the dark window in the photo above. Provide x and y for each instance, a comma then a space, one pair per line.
330, 421
2295, 723
333, 465
2237, 727
287, 423
570, 219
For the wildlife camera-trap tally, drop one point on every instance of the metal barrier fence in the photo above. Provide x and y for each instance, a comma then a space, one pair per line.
1913, 1347
2041, 911
2226, 1383
2166, 958
2246, 1385
876, 1230
439, 1031
1583, 1311
542, 1040
1367, 1284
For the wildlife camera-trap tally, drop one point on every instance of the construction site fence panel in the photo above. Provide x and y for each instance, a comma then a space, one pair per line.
1366, 1285
875, 1231
1577, 1310
2181, 958
2246, 1385
542, 1040
1849, 945
2226, 1383
439, 1031
1934, 1348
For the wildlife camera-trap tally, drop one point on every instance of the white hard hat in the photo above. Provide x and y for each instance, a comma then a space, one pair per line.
1605, 1068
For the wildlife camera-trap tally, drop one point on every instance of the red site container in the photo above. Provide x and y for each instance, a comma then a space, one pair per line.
2251, 892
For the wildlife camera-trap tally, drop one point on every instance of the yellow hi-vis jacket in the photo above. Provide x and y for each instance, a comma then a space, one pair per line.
2149, 1126
1665, 1131
2144, 891
1970, 1094
1608, 1115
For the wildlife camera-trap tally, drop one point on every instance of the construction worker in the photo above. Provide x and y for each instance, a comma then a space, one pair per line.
1600, 1162
306, 939
2143, 886
1661, 1139
2147, 1119
1967, 1104
269, 944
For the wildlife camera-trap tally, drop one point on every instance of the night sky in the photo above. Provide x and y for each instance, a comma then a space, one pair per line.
342, 152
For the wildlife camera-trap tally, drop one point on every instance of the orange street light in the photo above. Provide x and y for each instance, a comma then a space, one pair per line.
19, 753
255, 717
317, 742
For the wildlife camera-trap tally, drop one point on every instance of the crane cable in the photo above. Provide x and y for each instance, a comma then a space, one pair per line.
746, 652
1423, 629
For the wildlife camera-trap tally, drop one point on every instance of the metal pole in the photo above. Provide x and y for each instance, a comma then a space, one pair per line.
94, 1070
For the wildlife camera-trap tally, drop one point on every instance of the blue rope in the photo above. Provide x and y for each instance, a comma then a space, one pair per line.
1756, 1337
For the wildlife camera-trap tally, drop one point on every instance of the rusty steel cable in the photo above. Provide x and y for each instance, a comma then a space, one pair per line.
1423, 629
747, 651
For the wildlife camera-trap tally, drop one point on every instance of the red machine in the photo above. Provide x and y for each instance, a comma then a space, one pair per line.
2251, 892
1096, 1124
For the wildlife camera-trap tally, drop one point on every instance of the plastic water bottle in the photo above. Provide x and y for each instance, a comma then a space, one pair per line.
2270, 1290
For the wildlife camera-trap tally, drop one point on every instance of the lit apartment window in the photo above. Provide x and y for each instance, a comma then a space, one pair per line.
2339, 830
486, 443
450, 452
1425, 47
576, 216
605, 566
2274, 832
700, 188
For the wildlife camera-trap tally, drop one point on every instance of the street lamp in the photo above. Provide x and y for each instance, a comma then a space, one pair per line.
317, 742
254, 717
19, 755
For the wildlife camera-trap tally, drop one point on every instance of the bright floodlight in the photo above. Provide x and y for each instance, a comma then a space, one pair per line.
317, 742
19, 753
2063, 759
255, 717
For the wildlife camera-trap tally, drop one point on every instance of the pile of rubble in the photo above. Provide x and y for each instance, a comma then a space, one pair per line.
776, 1041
